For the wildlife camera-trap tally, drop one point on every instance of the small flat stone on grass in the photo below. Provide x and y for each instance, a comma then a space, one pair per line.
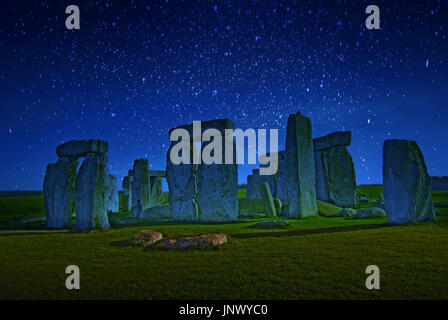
192, 242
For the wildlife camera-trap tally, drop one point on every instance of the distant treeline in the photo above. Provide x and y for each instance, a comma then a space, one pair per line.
19, 193
439, 183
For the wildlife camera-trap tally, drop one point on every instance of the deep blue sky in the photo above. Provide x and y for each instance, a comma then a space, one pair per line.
138, 68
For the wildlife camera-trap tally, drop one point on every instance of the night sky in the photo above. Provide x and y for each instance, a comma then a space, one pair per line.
135, 69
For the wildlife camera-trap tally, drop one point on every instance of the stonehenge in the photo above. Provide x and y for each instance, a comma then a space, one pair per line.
299, 163
407, 185
334, 169
311, 173
90, 193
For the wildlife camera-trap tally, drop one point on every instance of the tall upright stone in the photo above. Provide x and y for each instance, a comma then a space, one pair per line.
127, 193
92, 189
334, 169
204, 192
181, 179
300, 180
407, 185
156, 197
140, 187
59, 192
113, 198
282, 193
253, 185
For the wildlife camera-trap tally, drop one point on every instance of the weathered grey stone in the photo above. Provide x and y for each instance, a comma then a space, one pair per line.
112, 197
192, 242
140, 186
373, 212
252, 208
335, 177
204, 192
127, 193
335, 139
80, 148
156, 196
407, 185
300, 178
326, 209
159, 212
182, 187
282, 193
146, 237
217, 193
347, 213
254, 182
278, 206
266, 195
91, 193
59, 192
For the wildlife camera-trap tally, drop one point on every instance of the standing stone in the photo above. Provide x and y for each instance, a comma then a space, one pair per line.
253, 185
59, 192
181, 179
267, 196
113, 199
217, 195
282, 193
334, 169
300, 179
92, 189
203, 192
156, 197
127, 193
407, 185
140, 186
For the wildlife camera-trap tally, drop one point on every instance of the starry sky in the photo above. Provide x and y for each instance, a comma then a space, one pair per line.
135, 69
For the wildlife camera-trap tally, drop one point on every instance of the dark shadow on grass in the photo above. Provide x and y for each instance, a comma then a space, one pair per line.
307, 231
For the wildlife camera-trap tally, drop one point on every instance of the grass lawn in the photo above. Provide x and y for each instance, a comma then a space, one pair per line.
316, 258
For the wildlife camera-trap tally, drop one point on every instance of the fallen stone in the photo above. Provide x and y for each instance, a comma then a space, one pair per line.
202, 241
91, 193
158, 212
146, 237
407, 185
347, 213
276, 224
373, 212
335, 139
59, 192
300, 178
80, 148
327, 209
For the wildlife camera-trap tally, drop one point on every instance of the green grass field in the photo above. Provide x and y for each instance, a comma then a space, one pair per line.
316, 258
